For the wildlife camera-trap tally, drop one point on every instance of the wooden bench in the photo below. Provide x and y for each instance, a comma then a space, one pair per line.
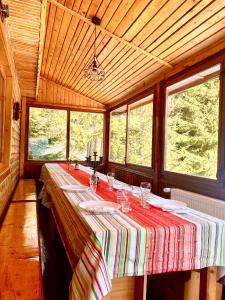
20, 263
25, 191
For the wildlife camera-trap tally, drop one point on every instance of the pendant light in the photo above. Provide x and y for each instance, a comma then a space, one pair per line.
94, 70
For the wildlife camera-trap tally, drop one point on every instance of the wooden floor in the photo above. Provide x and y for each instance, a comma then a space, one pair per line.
20, 274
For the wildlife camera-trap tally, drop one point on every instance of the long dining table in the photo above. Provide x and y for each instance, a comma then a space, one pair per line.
105, 250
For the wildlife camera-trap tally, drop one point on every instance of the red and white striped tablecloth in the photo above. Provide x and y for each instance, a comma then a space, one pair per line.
142, 242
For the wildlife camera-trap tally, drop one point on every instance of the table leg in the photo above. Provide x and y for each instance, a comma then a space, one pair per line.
192, 286
213, 288
128, 288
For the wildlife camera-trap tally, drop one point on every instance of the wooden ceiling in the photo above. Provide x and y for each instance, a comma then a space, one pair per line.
139, 40
23, 30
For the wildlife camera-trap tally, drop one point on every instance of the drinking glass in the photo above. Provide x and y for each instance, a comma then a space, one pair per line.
93, 182
145, 193
120, 197
111, 178
126, 206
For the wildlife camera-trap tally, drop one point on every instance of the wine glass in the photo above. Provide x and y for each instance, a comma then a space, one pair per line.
111, 178
145, 193
93, 182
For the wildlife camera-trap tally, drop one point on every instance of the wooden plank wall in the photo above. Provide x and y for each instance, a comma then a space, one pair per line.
50, 93
8, 184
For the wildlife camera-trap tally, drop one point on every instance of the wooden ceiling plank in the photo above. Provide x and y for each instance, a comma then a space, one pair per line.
109, 12
93, 9
66, 46
86, 56
50, 24
211, 36
115, 64
107, 50
57, 24
119, 14
112, 35
69, 4
191, 25
149, 12
190, 36
115, 81
163, 14
63, 31
72, 50
41, 42
118, 17
132, 15
83, 36
108, 59
131, 64
61, 95
182, 15
88, 36
193, 37
88, 43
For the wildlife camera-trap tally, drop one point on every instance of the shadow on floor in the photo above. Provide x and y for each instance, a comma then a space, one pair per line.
56, 270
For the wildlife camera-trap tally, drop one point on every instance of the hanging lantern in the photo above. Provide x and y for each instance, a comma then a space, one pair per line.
94, 70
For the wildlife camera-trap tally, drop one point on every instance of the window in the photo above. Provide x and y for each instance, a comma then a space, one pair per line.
47, 134
140, 120
192, 124
118, 121
85, 127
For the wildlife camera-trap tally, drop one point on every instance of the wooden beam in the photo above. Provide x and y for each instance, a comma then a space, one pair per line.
41, 41
119, 39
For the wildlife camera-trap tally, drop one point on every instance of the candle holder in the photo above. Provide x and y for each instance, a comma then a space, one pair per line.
94, 164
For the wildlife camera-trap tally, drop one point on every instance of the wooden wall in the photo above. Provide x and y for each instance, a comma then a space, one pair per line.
9, 179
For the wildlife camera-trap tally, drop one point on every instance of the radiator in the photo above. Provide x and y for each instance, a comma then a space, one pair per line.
211, 206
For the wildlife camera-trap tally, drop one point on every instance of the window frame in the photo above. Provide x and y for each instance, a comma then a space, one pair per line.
68, 110
126, 164
188, 181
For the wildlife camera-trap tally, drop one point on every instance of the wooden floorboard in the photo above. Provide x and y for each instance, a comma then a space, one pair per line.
20, 266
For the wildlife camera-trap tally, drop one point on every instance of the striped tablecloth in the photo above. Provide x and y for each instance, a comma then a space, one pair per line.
142, 242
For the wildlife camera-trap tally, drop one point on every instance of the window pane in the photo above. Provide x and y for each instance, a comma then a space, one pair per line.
85, 127
47, 134
140, 132
192, 125
118, 120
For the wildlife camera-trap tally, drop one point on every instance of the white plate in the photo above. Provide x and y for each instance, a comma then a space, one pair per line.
73, 188
167, 204
99, 206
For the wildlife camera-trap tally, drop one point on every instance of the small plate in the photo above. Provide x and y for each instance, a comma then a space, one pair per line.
167, 204
73, 188
99, 206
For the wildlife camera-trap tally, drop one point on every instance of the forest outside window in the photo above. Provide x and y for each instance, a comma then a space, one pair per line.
192, 119
47, 134
85, 127
118, 123
140, 120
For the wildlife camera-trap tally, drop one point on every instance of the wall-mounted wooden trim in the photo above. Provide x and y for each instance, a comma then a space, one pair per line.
33, 103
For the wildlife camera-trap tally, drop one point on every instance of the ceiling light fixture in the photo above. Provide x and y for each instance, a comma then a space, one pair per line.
4, 11
94, 70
